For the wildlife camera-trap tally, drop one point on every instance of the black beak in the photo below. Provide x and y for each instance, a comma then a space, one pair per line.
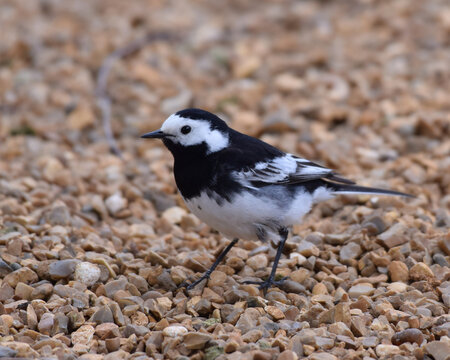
158, 134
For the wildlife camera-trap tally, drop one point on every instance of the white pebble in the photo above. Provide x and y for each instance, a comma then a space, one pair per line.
115, 203
87, 273
175, 330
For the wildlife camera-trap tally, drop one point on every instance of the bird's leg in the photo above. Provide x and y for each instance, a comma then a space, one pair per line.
207, 274
264, 285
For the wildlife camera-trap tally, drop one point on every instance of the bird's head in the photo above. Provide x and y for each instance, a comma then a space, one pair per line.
192, 128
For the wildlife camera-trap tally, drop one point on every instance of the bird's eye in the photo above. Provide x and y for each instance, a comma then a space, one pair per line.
186, 129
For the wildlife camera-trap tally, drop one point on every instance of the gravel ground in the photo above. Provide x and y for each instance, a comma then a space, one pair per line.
93, 246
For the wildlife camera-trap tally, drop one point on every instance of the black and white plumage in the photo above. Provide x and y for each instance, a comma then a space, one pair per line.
242, 186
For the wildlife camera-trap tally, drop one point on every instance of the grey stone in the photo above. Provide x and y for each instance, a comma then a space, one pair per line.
102, 315
440, 350
59, 215
115, 285
60, 324
5, 269
138, 330
6, 352
350, 251
62, 269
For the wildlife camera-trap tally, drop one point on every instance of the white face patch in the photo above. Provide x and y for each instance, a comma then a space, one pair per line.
200, 132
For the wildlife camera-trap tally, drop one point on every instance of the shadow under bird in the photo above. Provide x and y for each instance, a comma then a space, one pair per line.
242, 186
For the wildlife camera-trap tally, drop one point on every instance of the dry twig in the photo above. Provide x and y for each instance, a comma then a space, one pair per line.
103, 99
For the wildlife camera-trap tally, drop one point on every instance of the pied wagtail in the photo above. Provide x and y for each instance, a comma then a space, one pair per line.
242, 186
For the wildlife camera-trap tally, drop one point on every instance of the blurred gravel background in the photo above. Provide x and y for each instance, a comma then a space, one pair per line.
92, 246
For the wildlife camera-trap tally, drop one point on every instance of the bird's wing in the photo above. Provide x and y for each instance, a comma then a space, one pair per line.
286, 169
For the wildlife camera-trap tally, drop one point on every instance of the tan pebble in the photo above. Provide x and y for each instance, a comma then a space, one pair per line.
210, 295
398, 271
414, 322
260, 355
189, 221
415, 174
289, 82
42, 291
308, 249
235, 262
81, 117
23, 291
287, 355
394, 236
246, 66
52, 343
339, 313
340, 295
231, 346
139, 318
174, 215
247, 122
292, 312
23, 349
322, 356
83, 335
319, 289
397, 287
379, 325
300, 259
52, 168
277, 296
299, 275
24, 275
420, 271
384, 350
339, 328
275, 312
142, 230
32, 320
164, 302
258, 261
107, 330
14, 247
217, 278
178, 275
161, 325
252, 336
308, 349
444, 244
112, 344
195, 340
155, 258
440, 350
7, 320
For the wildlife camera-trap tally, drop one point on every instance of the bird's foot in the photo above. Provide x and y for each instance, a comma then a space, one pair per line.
265, 285
205, 276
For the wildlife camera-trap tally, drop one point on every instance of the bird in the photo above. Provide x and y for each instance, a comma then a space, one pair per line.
243, 187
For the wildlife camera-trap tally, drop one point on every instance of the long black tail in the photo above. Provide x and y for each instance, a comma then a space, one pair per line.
356, 189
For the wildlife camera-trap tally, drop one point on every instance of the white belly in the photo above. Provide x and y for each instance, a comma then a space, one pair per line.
245, 213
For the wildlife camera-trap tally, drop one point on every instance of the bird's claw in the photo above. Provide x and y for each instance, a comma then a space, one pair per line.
265, 285
205, 276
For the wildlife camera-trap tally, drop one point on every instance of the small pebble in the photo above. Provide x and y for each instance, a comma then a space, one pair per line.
87, 273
